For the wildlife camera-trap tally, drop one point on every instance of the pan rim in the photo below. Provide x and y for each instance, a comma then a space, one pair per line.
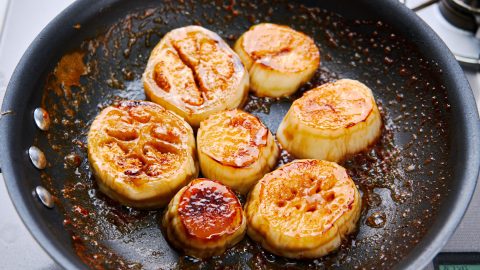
416, 259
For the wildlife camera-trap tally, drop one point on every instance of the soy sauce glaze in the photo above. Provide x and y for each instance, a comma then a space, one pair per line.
402, 178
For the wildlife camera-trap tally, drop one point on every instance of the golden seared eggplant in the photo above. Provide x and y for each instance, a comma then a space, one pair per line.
204, 219
194, 73
331, 122
141, 154
278, 58
235, 148
303, 209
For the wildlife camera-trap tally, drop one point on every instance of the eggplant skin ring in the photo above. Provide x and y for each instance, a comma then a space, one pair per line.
193, 72
141, 154
303, 209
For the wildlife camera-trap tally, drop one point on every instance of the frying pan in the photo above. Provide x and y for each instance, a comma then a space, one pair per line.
416, 182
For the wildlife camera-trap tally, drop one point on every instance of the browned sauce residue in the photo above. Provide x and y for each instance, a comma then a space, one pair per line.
68, 73
391, 176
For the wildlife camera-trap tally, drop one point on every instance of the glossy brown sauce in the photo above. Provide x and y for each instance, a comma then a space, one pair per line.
68, 72
66, 75
403, 178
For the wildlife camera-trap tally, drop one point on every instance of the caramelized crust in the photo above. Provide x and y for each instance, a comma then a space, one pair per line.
278, 59
209, 210
204, 219
280, 48
137, 147
303, 209
235, 148
331, 122
193, 72
341, 104
235, 138
312, 194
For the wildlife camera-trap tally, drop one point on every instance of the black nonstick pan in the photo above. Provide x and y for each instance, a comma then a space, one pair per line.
416, 182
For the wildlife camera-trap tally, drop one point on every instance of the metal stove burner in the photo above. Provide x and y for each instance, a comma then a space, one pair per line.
464, 14
457, 22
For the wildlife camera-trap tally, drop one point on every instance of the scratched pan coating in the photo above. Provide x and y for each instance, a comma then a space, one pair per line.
403, 178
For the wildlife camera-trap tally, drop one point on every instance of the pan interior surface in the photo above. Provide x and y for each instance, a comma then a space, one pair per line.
406, 179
